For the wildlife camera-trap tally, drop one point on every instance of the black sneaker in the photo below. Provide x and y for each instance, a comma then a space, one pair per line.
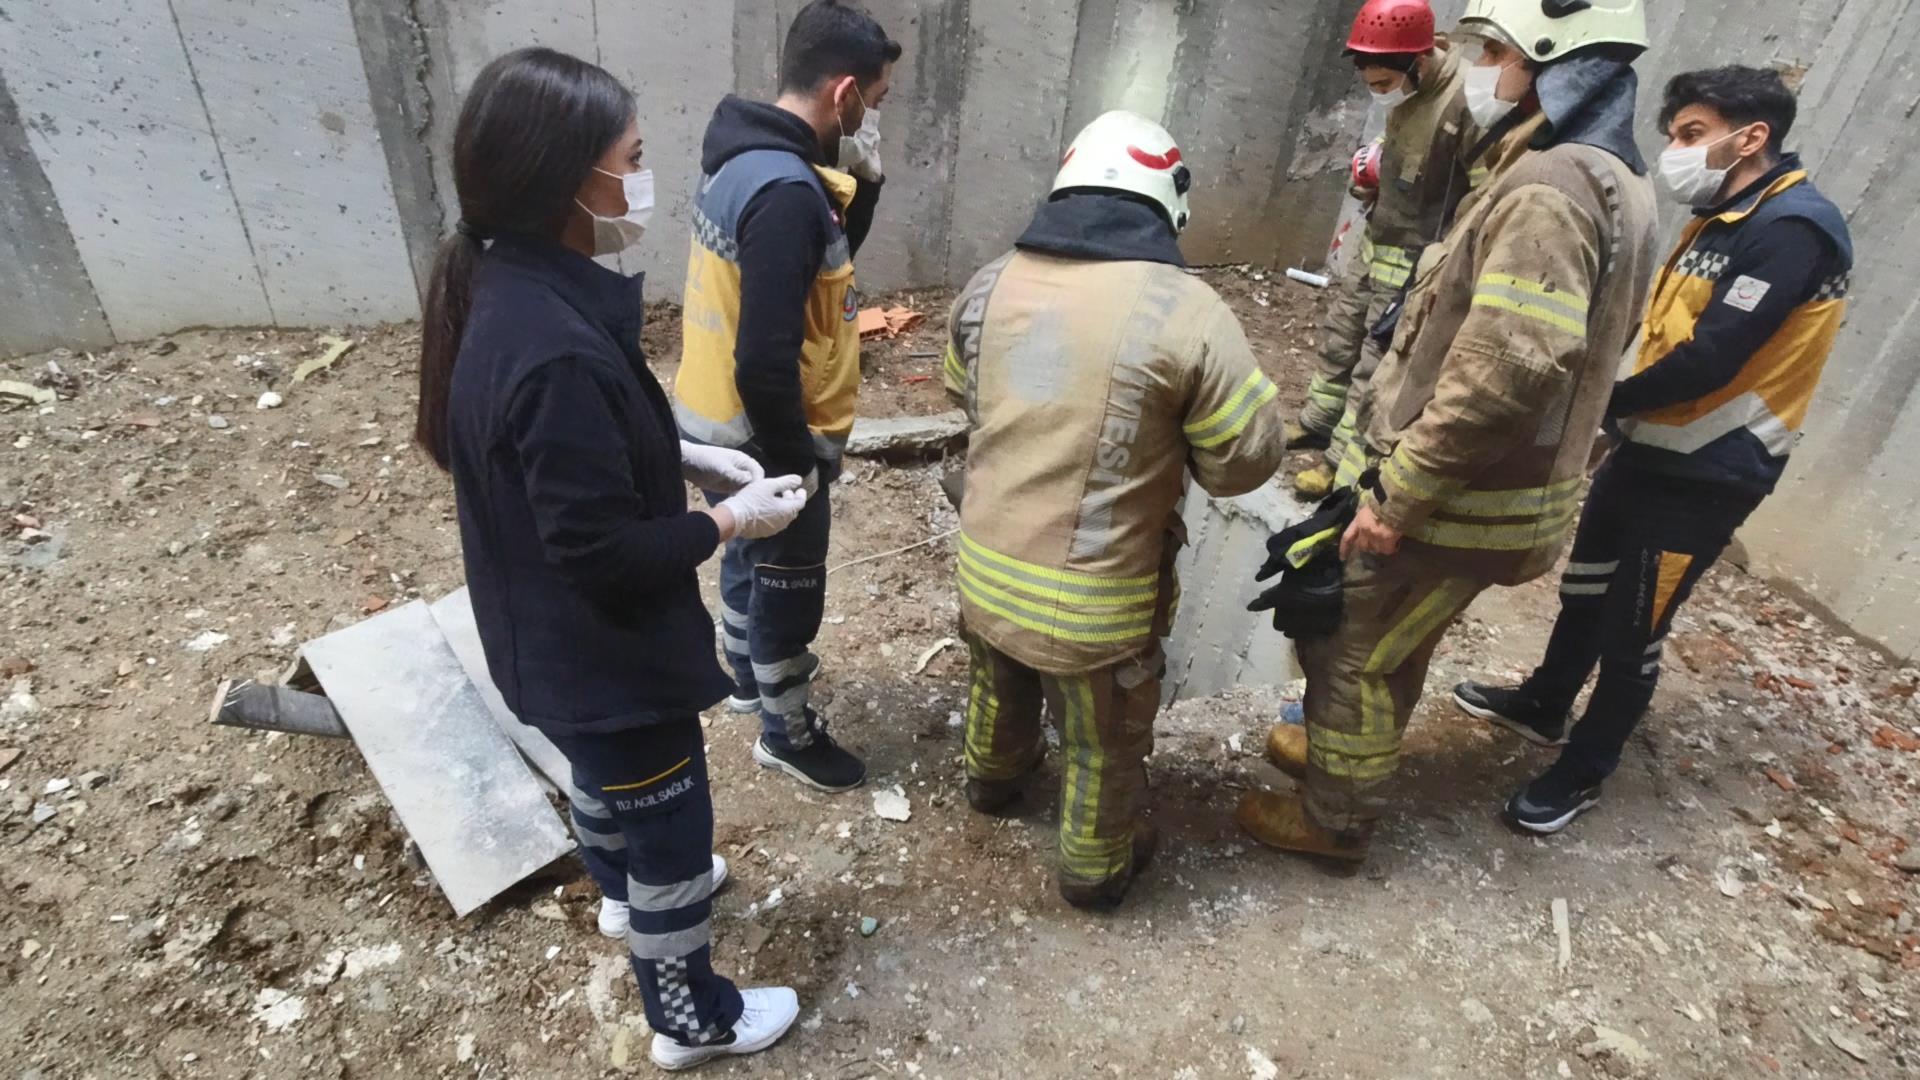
1550, 803
821, 764
1510, 709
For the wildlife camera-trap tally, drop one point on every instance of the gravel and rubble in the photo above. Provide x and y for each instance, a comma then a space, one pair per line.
178, 900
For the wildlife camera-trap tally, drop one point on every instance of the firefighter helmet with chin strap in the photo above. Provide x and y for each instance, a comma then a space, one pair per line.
1126, 152
1549, 30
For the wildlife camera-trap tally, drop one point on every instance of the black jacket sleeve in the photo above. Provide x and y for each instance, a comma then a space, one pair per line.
1787, 256
782, 242
866, 199
571, 433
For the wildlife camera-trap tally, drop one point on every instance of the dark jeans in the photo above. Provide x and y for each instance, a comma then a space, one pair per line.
643, 813
1644, 541
773, 593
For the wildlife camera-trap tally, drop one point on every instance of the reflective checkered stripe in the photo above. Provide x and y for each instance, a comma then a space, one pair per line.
1062, 606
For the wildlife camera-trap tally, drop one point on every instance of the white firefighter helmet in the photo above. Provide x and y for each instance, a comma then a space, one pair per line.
1546, 30
1123, 151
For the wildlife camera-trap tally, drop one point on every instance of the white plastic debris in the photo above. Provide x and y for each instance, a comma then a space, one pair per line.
278, 1010
892, 805
1318, 281
206, 641
269, 400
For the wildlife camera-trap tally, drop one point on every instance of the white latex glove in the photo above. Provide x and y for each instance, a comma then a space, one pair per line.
715, 468
766, 506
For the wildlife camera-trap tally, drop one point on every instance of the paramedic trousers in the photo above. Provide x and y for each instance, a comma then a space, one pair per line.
643, 814
1644, 541
773, 594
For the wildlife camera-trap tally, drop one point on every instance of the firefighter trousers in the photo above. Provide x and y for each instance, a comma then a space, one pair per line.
1105, 719
1364, 679
1643, 542
1347, 357
643, 813
773, 595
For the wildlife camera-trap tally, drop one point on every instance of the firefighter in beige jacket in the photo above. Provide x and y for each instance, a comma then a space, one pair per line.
1484, 413
1096, 374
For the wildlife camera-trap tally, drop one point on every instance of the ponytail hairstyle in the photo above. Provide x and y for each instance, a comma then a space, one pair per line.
534, 123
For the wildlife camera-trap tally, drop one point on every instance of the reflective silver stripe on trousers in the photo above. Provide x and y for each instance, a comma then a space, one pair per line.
1592, 569
1654, 649
602, 841
586, 803
1650, 668
670, 946
781, 670
1584, 589
732, 434
669, 897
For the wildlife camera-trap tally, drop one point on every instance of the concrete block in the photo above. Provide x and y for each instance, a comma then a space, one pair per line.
1012, 126
287, 93
115, 116
51, 301
907, 436
1217, 643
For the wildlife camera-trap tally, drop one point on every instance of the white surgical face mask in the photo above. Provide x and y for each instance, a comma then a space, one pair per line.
1483, 96
1392, 99
1688, 178
612, 235
862, 148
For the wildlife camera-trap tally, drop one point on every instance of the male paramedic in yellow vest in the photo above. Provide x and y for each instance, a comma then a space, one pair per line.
1486, 408
1744, 314
1422, 168
1097, 375
771, 360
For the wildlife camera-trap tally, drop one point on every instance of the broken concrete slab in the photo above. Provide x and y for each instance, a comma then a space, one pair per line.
907, 437
453, 614
457, 782
1217, 644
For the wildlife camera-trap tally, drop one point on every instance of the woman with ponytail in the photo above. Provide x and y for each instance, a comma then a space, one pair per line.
580, 546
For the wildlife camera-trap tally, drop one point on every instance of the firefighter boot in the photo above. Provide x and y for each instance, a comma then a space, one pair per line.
1107, 895
998, 798
1315, 483
1301, 437
1287, 749
1281, 821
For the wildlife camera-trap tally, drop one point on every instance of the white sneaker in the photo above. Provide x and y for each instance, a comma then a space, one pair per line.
769, 1011
614, 916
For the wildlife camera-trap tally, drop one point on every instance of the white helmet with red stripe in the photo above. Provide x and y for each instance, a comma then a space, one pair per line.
1125, 151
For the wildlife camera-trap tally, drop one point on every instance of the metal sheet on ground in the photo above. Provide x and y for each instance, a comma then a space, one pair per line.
454, 615
454, 778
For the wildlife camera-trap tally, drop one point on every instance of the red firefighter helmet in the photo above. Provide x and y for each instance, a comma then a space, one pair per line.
1390, 27
1366, 167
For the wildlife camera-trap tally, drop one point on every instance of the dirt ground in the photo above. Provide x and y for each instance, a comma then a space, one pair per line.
178, 900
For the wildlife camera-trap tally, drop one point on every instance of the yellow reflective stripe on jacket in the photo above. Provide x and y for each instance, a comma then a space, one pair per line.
1547, 501
1391, 266
1057, 602
1302, 552
1477, 176
956, 371
1067, 626
1228, 421
1561, 310
1516, 536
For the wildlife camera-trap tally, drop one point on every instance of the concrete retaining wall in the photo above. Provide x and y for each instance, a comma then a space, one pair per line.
172, 163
